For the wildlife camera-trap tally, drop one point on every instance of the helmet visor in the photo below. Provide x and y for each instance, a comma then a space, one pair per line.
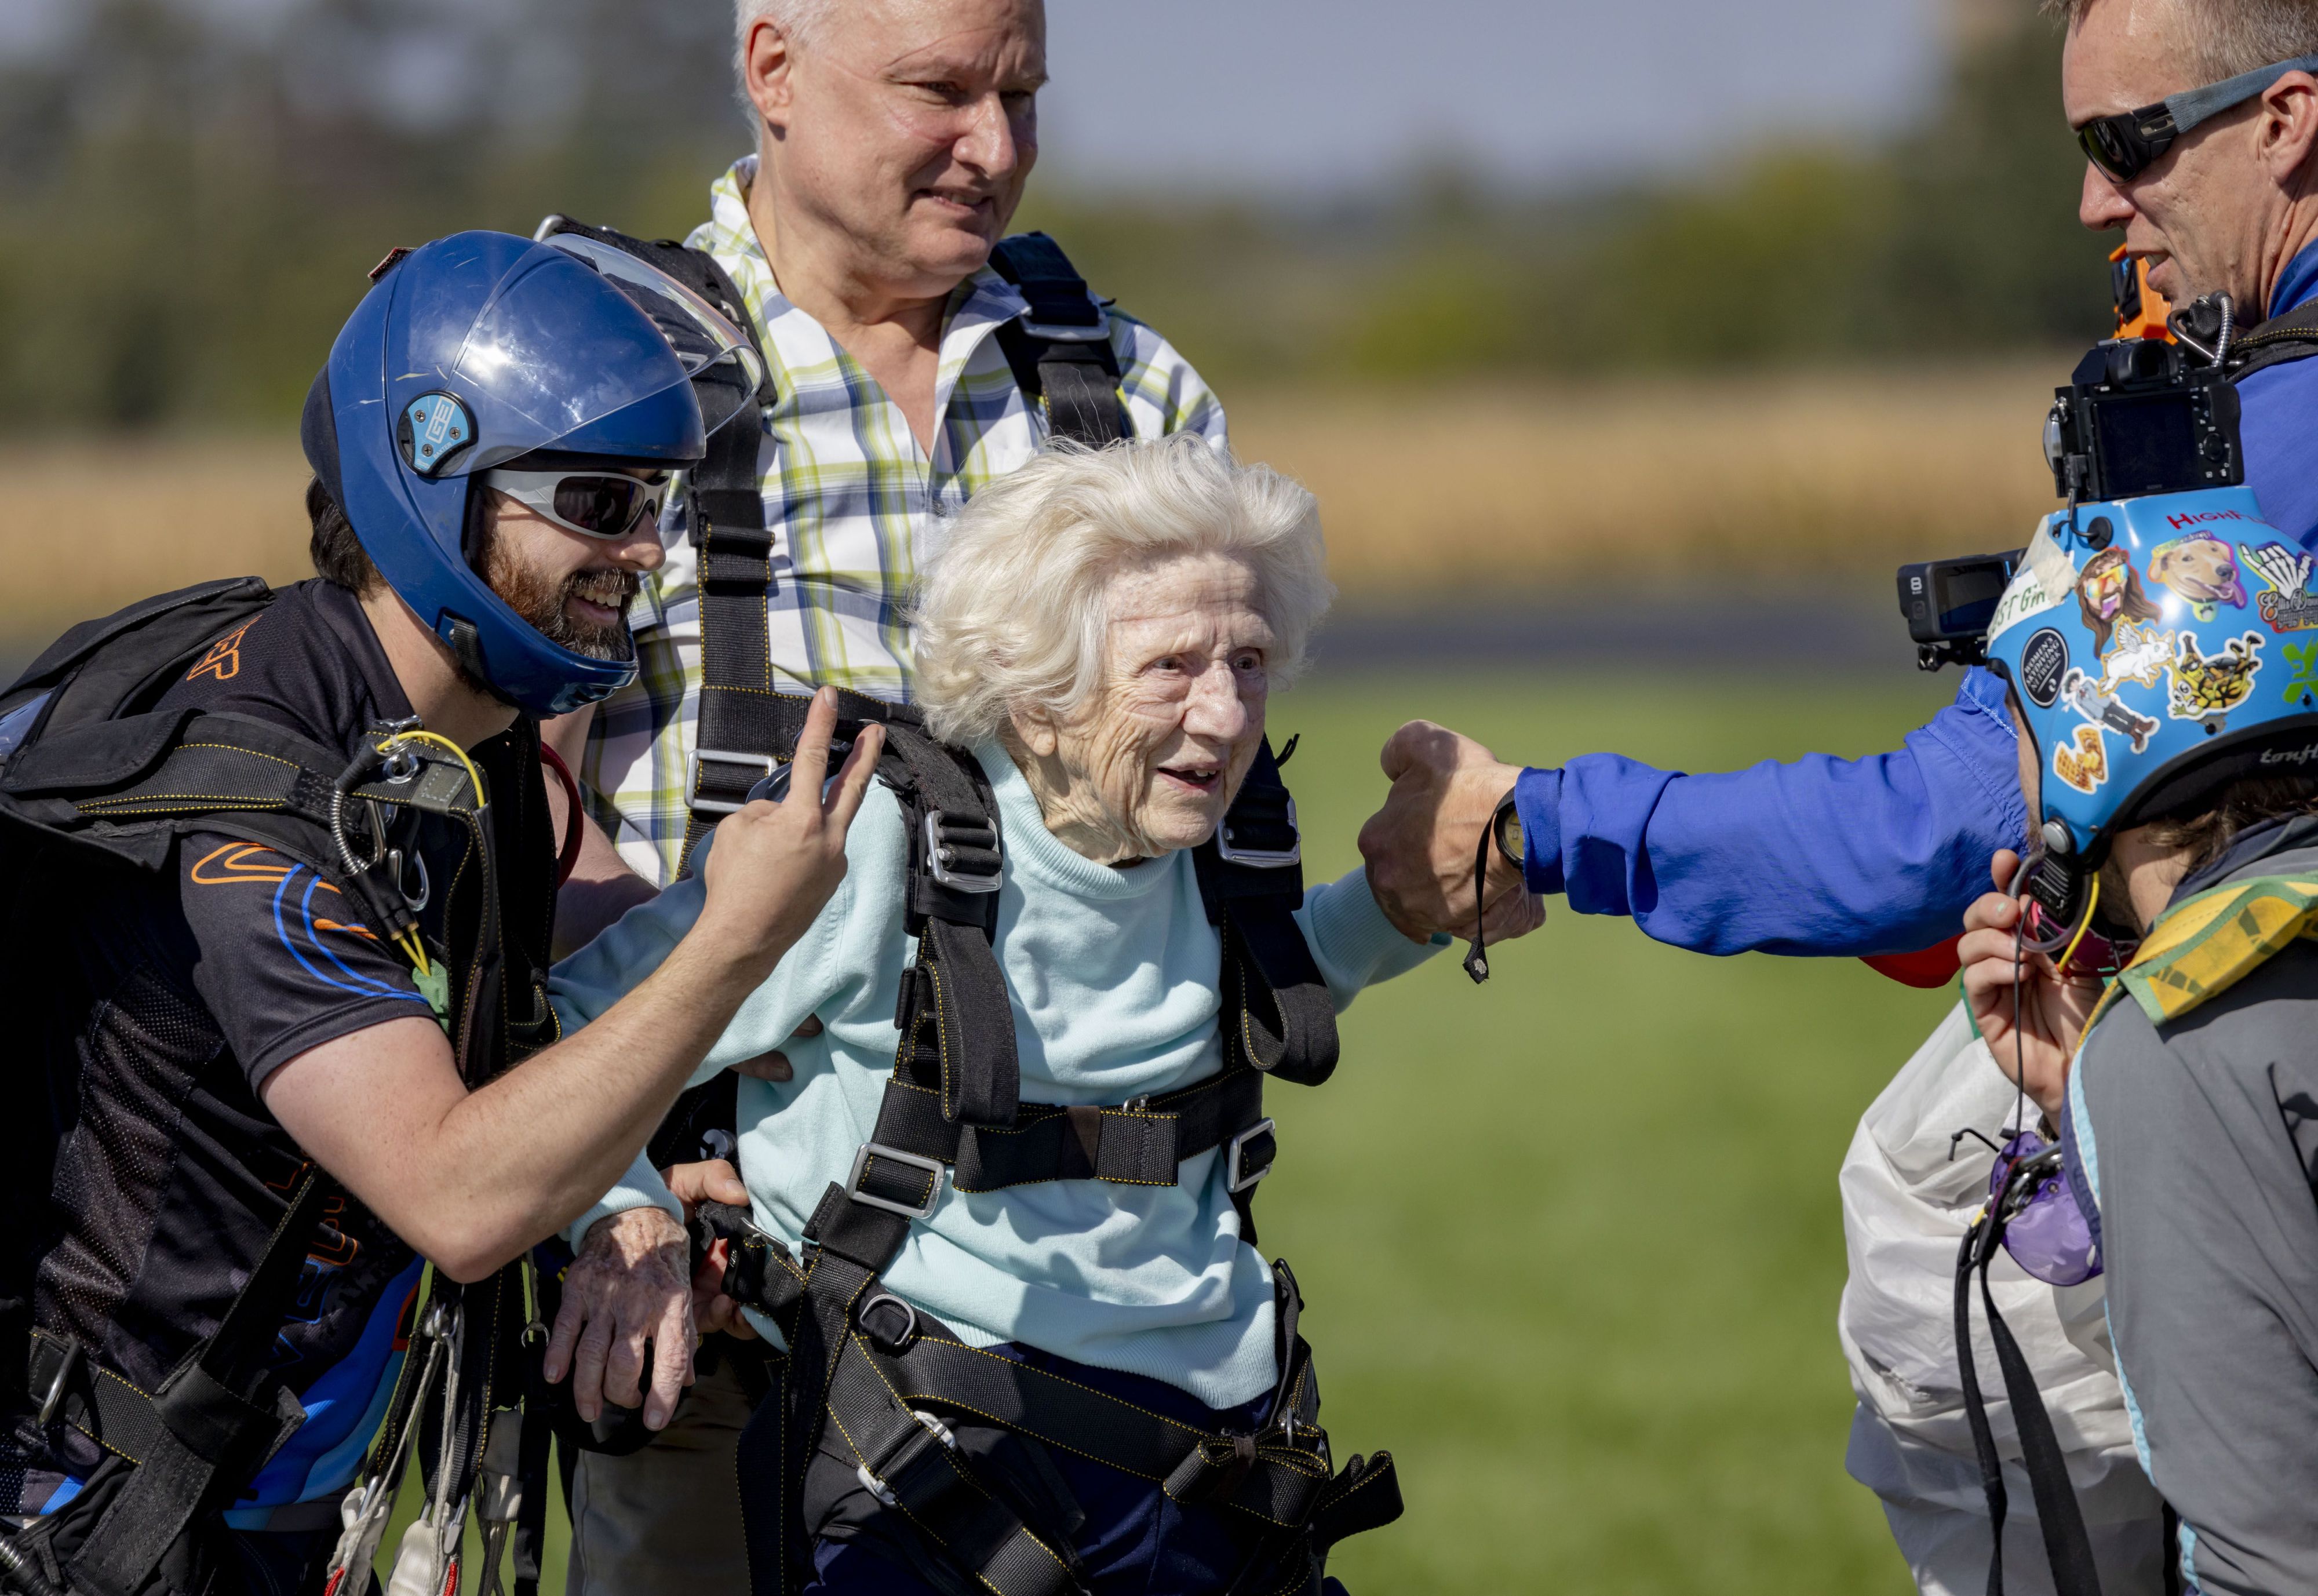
716, 352
539, 362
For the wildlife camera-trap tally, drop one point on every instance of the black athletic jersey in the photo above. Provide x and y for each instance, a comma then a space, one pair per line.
166, 1002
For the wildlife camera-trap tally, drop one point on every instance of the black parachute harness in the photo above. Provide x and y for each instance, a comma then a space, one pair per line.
879, 1412
87, 764
884, 1409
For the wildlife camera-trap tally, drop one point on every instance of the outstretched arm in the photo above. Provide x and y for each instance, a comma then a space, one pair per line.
1821, 855
472, 1178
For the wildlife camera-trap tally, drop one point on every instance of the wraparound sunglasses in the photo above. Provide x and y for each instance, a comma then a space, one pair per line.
2127, 144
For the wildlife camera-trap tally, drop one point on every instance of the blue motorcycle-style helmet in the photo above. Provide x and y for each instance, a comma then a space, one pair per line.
468, 354
2160, 649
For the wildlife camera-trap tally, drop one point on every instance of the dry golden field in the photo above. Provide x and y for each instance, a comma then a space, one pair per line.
1501, 491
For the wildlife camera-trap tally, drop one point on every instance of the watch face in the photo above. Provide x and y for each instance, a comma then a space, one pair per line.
1509, 834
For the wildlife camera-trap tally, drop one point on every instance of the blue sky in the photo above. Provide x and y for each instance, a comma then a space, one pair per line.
1322, 94
1329, 96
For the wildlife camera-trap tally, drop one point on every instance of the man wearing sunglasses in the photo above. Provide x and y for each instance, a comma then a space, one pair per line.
2198, 118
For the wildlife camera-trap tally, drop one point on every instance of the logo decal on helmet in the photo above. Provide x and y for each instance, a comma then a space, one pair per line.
2043, 664
434, 426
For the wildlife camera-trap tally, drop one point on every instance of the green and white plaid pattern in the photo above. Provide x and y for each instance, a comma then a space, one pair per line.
854, 504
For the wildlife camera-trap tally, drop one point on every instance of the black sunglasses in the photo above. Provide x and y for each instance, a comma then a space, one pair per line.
2128, 143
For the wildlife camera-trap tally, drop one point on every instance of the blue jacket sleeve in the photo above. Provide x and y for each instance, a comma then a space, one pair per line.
1822, 856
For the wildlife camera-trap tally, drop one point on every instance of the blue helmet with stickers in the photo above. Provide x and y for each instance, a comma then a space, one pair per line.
470, 353
2160, 649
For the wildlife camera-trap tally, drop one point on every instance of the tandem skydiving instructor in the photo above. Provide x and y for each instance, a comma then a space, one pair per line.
276, 880
2198, 118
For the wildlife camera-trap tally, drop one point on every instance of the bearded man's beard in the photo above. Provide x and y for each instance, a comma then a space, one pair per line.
541, 598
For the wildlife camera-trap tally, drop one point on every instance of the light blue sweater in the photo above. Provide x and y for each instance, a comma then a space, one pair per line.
1114, 976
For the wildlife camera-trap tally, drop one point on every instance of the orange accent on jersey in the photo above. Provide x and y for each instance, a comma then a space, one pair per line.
362, 931
223, 661
248, 862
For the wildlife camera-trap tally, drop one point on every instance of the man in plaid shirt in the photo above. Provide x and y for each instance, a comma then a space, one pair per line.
895, 141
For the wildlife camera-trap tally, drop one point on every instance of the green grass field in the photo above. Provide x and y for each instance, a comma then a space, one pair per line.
1570, 1241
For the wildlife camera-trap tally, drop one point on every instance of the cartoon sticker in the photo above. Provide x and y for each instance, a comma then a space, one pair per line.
2142, 654
2043, 659
2083, 761
2109, 593
2202, 568
2207, 687
2102, 707
2041, 582
2302, 686
2289, 605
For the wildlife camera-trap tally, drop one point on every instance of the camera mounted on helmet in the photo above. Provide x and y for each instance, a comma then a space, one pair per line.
481, 353
2150, 632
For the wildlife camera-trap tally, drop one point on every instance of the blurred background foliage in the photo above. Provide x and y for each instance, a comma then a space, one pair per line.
190, 194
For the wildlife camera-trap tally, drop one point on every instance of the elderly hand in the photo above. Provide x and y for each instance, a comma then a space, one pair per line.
1420, 845
714, 1180
2034, 1042
631, 1284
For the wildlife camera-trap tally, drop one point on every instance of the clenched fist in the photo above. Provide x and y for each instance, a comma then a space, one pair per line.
1422, 846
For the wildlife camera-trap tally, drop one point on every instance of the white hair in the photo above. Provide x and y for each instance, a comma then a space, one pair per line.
1012, 611
799, 21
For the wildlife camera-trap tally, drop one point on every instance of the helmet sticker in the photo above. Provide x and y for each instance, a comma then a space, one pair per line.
2289, 605
434, 428
2140, 654
2207, 688
2203, 570
2101, 706
2083, 762
2108, 591
2043, 661
2042, 584
2303, 658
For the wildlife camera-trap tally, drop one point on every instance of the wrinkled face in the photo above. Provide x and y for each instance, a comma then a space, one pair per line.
573, 588
908, 128
1180, 714
2198, 214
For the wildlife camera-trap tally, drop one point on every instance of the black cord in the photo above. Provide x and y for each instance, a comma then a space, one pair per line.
1477, 963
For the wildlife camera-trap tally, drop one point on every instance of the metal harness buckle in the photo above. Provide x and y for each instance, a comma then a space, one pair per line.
932, 1166
1237, 1178
762, 765
1263, 858
939, 864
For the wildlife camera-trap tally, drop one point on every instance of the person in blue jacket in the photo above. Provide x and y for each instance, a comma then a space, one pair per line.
1883, 855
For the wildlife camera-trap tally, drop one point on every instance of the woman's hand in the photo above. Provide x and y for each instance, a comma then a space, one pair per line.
716, 1181
631, 1284
2035, 1045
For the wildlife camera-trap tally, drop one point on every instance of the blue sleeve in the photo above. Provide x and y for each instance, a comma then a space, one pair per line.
2279, 405
1822, 856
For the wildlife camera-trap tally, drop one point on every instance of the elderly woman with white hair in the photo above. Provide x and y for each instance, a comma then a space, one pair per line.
1101, 631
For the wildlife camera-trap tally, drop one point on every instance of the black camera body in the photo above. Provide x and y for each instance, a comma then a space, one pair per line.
1949, 602
2136, 419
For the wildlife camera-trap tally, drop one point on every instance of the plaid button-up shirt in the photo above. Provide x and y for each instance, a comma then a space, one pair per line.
855, 506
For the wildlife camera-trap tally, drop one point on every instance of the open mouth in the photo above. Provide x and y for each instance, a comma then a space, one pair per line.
1194, 778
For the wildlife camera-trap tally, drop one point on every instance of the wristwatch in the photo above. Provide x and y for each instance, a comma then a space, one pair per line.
1506, 827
